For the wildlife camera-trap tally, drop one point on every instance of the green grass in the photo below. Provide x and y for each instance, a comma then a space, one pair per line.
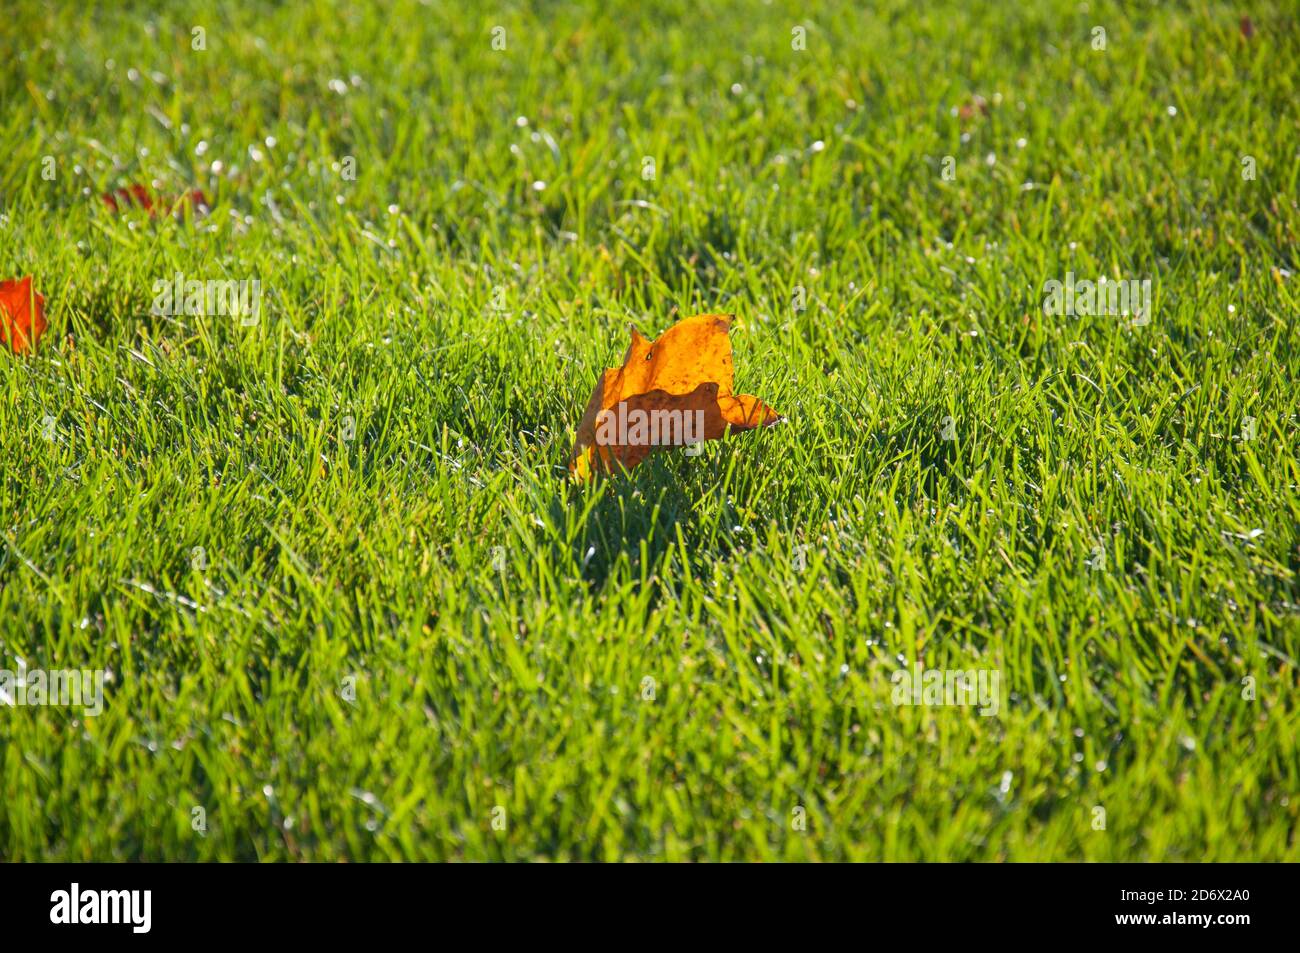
369, 562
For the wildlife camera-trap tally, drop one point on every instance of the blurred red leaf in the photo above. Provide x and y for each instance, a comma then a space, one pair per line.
125, 198
977, 105
138, 196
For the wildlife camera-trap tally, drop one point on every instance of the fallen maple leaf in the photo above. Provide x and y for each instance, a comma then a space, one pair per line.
22, 315
675, 391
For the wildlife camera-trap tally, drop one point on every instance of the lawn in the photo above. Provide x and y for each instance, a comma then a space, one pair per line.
348, 605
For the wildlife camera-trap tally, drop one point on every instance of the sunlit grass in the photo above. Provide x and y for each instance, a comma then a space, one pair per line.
280, 539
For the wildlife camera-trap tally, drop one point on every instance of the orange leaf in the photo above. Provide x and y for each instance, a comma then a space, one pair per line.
675, 391
22, 315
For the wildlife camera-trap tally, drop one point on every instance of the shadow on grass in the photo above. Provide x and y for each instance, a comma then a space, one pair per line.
639, 516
